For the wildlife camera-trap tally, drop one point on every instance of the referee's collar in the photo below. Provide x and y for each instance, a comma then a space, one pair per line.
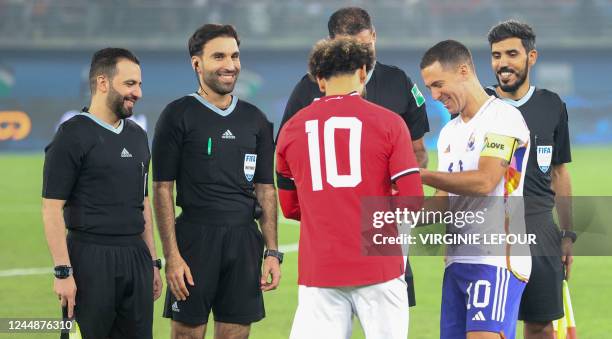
370, 73
116, 130
209, 105
516, 103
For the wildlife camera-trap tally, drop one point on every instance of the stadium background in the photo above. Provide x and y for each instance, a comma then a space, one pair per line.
46, 46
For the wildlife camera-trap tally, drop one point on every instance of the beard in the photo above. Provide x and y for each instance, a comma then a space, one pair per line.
521, 77
115, 101
211, 79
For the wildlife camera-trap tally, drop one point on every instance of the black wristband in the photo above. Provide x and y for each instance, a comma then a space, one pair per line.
569, 234
157, 263
274, 253
62, 271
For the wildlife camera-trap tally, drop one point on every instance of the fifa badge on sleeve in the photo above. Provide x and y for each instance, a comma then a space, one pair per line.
250, 162
544, 157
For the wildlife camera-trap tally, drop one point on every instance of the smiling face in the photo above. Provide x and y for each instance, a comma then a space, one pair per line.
125, 89
219, 65
511, 64
446, 85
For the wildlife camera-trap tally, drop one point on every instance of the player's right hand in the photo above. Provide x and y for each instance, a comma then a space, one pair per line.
66, 292
177, 272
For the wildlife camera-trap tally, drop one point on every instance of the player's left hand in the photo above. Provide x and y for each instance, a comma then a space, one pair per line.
271, 268
567, 247
157, 284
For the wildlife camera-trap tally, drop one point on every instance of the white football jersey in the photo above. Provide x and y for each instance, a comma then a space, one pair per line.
496, 127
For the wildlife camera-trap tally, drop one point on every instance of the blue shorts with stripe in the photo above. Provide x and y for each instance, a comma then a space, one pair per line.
479, 297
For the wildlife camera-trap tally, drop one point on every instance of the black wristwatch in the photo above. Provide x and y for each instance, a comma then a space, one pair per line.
157, 263
569, 234
274, 253
62, 271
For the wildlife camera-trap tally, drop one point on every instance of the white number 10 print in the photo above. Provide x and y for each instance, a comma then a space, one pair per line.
329, 146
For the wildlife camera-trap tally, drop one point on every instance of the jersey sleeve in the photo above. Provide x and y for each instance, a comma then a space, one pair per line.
562, 153
287, 193
167, 144
415, 116
264, 171
510, 124
147, 165
284, 178
63, 159
300, 97
402, 160
443, 147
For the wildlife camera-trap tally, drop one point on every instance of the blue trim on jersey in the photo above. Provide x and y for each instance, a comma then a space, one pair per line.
104, 124
370, 73
221, 112
521, 101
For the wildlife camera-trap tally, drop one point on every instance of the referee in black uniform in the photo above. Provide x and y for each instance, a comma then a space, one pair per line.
219, 150
95, 185
386, 85
547, 181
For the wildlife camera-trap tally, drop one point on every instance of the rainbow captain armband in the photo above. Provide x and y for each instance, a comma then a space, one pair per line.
499, 146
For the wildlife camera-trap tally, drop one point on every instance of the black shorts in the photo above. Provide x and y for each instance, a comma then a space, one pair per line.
225, 263
114, 279
542, 300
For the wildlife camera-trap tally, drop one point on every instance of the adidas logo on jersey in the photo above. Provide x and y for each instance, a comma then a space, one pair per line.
479, 317
227, 135
175, 307
125, 154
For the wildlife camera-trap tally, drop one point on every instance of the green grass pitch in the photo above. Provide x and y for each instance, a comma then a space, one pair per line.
22, 246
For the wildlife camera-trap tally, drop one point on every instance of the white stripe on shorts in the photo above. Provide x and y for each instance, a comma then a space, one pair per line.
507, 273
495, 296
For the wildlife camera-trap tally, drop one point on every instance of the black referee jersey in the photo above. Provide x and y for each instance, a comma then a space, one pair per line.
387, 86
546, 117
214, 155
101, 172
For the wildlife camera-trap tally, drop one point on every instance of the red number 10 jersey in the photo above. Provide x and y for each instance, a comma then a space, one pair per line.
336, 151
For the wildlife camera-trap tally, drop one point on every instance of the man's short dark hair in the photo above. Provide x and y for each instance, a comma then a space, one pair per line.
208, 32
349, 21
104, 62
339, 57
513, 29
447, 53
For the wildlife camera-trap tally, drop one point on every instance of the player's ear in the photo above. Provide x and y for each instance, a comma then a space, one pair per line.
363, 74
463, 69
532, 57
195, 64
102, 84
321, 82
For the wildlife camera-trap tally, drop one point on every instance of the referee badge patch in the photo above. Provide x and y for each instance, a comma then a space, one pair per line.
250, 162
418, 96
544, 157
